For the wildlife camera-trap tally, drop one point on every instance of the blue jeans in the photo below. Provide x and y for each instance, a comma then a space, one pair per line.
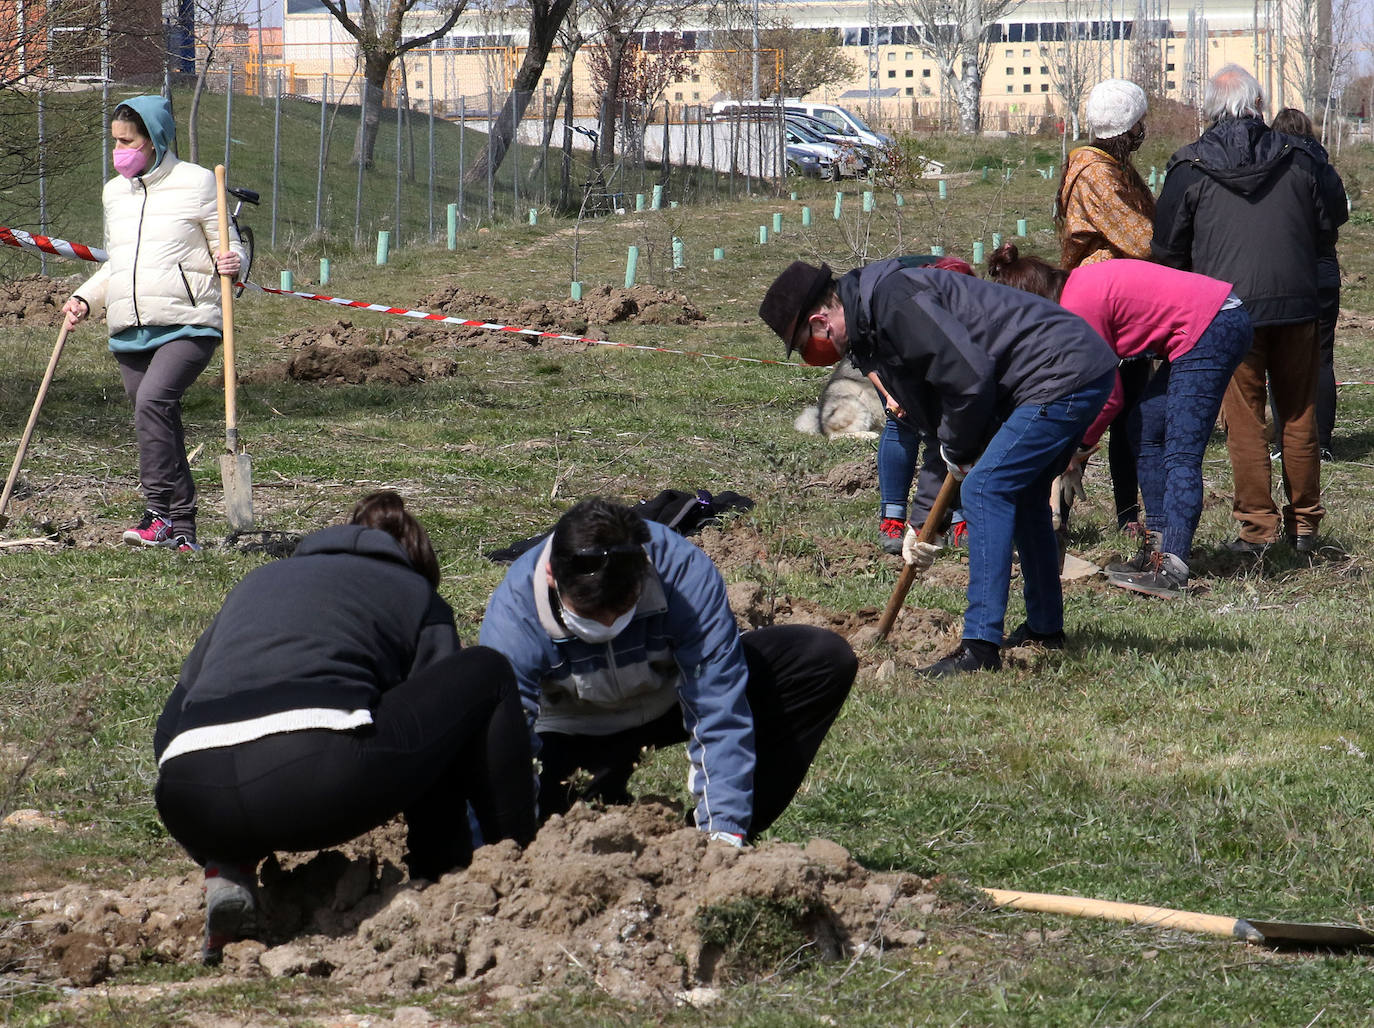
898, 454
1173, 422
1005, 499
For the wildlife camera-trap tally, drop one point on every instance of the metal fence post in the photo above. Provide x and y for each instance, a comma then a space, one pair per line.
319, 174
276, 157
228, 113
358, 196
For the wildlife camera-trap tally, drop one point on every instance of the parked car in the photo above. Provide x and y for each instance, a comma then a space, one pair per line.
861, 155
843, 160
811, 161
840, 119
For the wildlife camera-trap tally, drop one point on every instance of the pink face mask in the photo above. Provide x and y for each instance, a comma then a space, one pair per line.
129, 162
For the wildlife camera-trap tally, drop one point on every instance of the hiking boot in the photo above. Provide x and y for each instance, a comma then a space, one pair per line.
972, 655
1246, 546
231, 908
1303, 543
890, 533
154, 530
1150, 542
1024, 636
186, 544
1167, 576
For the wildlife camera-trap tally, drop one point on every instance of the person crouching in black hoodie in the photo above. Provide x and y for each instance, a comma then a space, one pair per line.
329, 694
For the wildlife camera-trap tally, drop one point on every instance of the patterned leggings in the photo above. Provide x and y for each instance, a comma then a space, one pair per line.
1173, 422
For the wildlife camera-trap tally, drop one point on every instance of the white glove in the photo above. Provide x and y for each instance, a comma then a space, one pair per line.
959, 471
918, 554
734, 840
1069, 486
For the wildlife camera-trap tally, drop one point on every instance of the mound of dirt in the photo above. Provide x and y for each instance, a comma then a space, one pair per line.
628, 898
600, 305
35, 299
345, 353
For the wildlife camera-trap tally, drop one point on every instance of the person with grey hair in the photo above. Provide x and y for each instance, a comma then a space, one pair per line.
1251, 206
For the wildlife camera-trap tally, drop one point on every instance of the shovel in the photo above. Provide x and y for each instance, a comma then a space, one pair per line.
33, 420
1248, 929
929, 531
235, 468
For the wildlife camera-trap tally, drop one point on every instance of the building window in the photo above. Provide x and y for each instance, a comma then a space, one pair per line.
1010, 52
1168, 67
1026, 88
910, 91
1044, 87
1170, 84
1044, 70
892, 73
677, 96
891, 56
1025, 71
909, 55
925, 73
1011, 89
910, 73
1011, 71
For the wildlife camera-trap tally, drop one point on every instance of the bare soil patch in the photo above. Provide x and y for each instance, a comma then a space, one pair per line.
628, 898
35, 299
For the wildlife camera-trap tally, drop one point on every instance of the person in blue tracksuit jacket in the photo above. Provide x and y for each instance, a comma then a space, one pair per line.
621, 637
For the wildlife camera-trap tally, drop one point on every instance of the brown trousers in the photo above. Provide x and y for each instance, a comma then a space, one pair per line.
1284, 358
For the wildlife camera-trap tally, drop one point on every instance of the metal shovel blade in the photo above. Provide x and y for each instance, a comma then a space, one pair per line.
236, 471
1340, 936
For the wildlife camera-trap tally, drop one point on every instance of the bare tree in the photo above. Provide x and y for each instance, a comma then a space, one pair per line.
642, 73
379, 30
1319, 42
1074, 58
615, 31
39, 45
545, 18
953, 34
811, 58
214, 21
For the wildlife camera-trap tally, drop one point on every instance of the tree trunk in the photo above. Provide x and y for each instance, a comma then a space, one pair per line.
376, 66
193, 120
970, 96
564, 86
543, 29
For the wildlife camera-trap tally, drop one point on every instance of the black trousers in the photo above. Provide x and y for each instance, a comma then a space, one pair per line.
799, 677
1135, 376
453, 734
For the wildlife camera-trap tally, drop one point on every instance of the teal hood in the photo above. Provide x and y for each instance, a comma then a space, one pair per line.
156, 113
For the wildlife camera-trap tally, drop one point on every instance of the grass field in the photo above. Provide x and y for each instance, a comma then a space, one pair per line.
1211, 754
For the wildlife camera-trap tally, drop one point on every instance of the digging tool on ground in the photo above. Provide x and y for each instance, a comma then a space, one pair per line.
235, 468
1274, 933
929, 531
33, 420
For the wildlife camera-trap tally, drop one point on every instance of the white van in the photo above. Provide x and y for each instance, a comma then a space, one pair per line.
843, 121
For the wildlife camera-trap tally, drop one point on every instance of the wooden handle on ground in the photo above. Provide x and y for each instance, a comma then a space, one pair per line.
33, 420
1134, 913
226, 297
907, 578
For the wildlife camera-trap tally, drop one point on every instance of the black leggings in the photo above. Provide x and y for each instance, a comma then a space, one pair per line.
452, 734
799, 677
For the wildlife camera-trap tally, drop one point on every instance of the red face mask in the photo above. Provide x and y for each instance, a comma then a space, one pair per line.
820, 351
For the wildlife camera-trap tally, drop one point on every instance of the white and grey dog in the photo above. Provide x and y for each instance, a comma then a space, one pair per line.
848, 406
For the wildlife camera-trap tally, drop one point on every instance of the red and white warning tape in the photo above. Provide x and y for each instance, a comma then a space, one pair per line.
57, 247
513, 329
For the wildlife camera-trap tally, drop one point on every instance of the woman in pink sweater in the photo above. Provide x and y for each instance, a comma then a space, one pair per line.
1202, 331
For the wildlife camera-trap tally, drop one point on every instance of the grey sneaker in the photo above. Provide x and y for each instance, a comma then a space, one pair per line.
1166, 576
231, 908
1150, 542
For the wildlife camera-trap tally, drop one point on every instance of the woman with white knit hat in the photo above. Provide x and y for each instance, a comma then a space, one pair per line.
1104, 210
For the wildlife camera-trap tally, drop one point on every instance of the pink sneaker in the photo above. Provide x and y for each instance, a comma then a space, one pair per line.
153, 530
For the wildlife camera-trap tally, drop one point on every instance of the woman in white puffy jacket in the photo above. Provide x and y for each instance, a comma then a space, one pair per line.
161, 294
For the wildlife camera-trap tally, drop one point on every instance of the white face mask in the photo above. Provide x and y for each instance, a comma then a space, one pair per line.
592, 631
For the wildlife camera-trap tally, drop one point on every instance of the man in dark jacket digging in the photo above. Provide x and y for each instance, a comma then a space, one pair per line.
1007, 381
1249, 206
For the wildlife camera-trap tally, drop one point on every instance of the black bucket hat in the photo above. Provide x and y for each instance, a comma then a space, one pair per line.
793, 294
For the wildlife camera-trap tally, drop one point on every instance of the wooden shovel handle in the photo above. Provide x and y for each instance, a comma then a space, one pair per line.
33, 420
1134, 913
226, 297
929, 531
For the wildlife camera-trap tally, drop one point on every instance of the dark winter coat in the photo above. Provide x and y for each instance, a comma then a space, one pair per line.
1254, 207
961, 354
333, 626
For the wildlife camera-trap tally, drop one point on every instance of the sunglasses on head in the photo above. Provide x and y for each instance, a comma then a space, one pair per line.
592, 559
